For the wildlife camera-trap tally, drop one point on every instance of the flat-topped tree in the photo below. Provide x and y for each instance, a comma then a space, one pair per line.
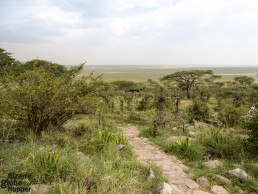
244, 81
186, 78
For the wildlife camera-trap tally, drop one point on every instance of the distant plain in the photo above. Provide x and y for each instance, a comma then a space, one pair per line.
140, 73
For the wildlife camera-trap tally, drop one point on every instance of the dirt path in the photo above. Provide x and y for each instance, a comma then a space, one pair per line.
172, 168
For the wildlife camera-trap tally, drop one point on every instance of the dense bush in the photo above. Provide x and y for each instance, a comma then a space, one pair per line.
252, 125
199, 110
39, 99
230, 115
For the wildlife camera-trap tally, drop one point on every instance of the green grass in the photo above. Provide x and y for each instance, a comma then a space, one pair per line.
72, 161
210, 144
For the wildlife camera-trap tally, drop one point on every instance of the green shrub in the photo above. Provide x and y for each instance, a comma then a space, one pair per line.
252, 125
230, 115
199, 110
39, 99
186, 149
226, 145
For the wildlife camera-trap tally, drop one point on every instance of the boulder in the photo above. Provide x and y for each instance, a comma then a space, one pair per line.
203, 182
200, 192
223, 179
121, 146
192, 133
174, 129
197, 124
243, 137
218, 190
163, 188
175, 189
145, 139
191, 184
213, 164
150, 175
239, 173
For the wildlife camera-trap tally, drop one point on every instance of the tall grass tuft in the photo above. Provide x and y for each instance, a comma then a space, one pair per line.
222, 144
185, 149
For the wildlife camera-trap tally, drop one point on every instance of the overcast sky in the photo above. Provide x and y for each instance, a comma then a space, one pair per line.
166, 32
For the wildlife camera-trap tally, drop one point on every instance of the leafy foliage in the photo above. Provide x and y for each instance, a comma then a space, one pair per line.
252, 125
7, 62
53, 68
199, 110
186, 78
38, 99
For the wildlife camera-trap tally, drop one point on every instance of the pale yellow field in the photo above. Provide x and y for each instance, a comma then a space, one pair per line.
142, 73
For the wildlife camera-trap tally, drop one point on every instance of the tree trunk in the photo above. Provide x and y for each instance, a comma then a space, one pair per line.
177, 104
188, 92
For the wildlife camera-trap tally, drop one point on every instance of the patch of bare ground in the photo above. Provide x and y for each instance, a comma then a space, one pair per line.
172, 168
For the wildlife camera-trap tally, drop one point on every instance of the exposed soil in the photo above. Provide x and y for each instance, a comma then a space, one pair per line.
171, 167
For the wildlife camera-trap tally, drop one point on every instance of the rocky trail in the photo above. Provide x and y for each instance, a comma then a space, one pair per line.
172, 168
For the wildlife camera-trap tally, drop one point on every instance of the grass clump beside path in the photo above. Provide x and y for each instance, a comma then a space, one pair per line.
80, 158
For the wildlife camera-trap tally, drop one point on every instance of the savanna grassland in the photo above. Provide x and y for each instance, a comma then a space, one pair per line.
61, 126
141, 73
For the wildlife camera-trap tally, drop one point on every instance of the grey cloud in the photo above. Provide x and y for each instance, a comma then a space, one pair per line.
86, 8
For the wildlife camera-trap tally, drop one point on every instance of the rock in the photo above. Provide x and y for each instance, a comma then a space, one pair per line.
191, 184
150, 175
200, 192
39, 188
197, 124
251, 112
163, 188
213, 164
243, 137
121, 146
82, 157
223, 179
218, 190
192, 133
175, 189
174, 129
145, 139
231, 129
203, 182
239, 173
190, 175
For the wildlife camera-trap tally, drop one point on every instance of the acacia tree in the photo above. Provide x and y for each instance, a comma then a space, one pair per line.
125, 91
244, 81
147, 94
186, 78
7, 62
